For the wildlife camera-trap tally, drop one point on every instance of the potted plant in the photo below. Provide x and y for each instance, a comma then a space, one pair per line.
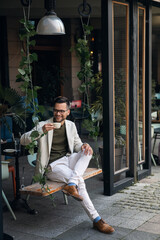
120, 117
97, 108
11, 104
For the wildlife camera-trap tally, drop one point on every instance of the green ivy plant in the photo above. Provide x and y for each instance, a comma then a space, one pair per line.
10, 102
25, 67
25, 74
85, 74
89, 81
25, 77
92, 124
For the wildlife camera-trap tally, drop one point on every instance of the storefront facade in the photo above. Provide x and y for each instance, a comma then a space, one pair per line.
127, 75
126, 40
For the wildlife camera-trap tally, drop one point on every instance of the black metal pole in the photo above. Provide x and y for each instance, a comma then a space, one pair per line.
1, 213
148, 75
133, 89
17, 177
107, 72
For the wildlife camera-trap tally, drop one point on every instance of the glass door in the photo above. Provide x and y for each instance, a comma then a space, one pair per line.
141, 85
121, 88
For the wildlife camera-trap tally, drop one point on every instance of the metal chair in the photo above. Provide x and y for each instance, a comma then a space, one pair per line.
152, 136
5, 175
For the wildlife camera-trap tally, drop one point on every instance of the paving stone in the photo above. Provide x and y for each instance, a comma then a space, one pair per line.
155, 219
79, 232
150, 227
137, 235
143, 215
128, 213
114, 220
119, 233
20, 236
131, 223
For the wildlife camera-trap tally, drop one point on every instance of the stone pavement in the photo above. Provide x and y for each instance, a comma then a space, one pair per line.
134, 212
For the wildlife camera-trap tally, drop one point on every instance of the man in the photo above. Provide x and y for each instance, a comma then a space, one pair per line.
66, 157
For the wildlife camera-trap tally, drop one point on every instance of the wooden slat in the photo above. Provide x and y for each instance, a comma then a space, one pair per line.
35, 189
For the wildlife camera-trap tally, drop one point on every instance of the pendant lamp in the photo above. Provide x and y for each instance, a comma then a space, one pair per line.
50, 24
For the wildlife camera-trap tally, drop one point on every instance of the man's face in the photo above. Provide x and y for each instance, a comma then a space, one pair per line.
60, 112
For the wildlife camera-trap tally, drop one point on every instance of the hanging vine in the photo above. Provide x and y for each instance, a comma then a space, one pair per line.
83, 54
25, 71
25, 77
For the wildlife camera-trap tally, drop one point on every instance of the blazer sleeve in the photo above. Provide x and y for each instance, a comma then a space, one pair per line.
77, 141
26, 139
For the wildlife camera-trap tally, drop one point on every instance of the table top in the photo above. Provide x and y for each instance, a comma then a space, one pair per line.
156, 121
8, 149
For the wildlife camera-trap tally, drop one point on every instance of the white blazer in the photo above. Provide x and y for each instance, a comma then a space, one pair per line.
45, 142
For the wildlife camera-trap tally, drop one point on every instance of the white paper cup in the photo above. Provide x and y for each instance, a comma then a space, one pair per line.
56, 125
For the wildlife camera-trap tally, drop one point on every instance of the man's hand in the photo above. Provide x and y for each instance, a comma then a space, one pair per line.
87, 149
47, 127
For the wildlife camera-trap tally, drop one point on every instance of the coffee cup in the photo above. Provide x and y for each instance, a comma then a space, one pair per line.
56, 125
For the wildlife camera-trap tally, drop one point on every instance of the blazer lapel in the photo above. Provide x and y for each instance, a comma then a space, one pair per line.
50, 137
68, 135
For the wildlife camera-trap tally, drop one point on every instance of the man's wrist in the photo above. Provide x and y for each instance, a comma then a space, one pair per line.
85, 143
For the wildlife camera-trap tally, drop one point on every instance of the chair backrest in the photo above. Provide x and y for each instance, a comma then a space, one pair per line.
152, 131
29, 108
32, 159
4, 170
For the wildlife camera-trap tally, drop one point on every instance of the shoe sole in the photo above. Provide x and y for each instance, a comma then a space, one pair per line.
94, 227
68, 194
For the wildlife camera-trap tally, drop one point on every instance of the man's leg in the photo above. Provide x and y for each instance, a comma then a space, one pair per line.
78, 162
59, 171
62, 172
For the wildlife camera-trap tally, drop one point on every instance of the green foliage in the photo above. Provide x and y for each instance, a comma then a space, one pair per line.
25, 68
120, 105
11, 102
42, 179
30, 91
83, 54
93, 129
97, 105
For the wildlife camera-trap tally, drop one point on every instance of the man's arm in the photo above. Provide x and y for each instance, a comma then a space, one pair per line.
26, 139
87, 149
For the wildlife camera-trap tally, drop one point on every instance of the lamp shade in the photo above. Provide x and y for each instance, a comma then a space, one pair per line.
50, 25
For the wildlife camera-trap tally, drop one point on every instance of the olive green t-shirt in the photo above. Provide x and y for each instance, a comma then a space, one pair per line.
59, 144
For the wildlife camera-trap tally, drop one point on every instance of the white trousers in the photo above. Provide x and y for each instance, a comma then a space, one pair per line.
71, 169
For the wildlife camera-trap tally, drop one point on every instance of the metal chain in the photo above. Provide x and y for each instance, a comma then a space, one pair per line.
84, 9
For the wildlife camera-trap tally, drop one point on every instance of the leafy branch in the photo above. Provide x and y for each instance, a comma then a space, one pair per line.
25, 67
25, 77
85, 74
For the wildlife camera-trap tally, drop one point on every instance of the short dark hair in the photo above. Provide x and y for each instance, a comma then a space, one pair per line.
61, 99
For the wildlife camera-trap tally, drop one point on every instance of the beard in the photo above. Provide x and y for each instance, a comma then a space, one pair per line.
60, 120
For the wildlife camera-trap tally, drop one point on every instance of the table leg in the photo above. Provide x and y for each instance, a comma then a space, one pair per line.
154, 143
17, 177
19, 202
